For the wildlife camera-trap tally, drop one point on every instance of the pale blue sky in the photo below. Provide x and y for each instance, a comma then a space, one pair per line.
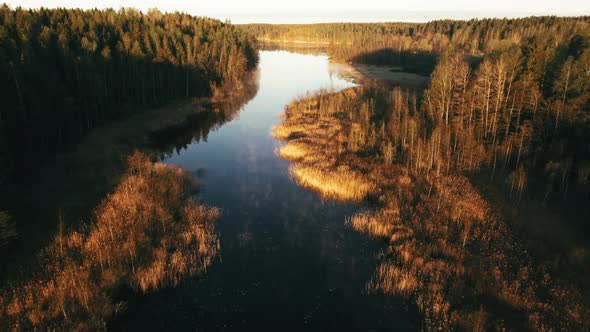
306, 11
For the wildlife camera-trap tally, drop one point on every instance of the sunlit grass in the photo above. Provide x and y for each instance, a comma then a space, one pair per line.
338, 184
147, 234
282, 132
312, 139
294, 151
392, 279
445, 247
376, 224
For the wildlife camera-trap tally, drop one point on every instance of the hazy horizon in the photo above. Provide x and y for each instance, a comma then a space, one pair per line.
306, 11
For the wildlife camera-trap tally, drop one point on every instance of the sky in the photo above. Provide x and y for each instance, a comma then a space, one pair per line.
311, 11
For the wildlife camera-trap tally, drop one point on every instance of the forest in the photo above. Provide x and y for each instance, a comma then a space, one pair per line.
506, 111
474, 186
450, 249
417, 46
121, 79
66, 71
90, 273
509, 96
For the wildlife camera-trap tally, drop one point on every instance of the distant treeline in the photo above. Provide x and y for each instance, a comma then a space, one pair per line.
508, 108
418, 44
64, 71
509, 95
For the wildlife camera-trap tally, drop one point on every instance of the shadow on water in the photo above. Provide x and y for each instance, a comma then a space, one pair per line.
287, 261
417, 62
276, 271
197, 127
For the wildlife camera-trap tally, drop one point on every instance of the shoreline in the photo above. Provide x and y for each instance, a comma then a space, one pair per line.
391, 76
70, 184
448, 243
359, 72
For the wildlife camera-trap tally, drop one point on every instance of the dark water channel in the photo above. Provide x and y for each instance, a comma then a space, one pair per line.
287, 261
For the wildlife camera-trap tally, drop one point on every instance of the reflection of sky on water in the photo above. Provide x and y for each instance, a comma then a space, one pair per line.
287, 261
244, 145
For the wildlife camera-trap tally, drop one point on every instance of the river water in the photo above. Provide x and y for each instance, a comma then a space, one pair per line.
287, 261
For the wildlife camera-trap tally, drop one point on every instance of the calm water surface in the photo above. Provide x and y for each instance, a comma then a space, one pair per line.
287, 261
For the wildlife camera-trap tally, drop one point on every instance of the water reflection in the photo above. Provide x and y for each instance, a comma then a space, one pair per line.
301, 48
72, 184
287, 262
197, 128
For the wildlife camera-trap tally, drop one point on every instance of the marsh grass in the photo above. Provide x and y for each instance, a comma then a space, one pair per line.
446, 250
383, 223
312, 137
147, 234
339, 183
295, 151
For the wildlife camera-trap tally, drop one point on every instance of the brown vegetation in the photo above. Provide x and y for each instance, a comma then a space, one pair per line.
447, 250
147, 234
416, 46
339, 183
73, 183
310, 140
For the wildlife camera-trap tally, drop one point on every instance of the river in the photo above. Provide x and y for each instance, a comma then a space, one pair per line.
287, 260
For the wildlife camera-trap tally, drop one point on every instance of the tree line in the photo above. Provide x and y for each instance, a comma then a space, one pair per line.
449, 249
507, 95
523, 111
514, 116
65, 71
418, 45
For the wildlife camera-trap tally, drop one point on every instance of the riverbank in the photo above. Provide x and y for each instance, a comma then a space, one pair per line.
390, 76
448, 249
148, 233
68, 186
286, 258
360, 73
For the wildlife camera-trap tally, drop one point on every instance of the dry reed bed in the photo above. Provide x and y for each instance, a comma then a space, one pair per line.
147, 234
339, 183
311, 140
447, 251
